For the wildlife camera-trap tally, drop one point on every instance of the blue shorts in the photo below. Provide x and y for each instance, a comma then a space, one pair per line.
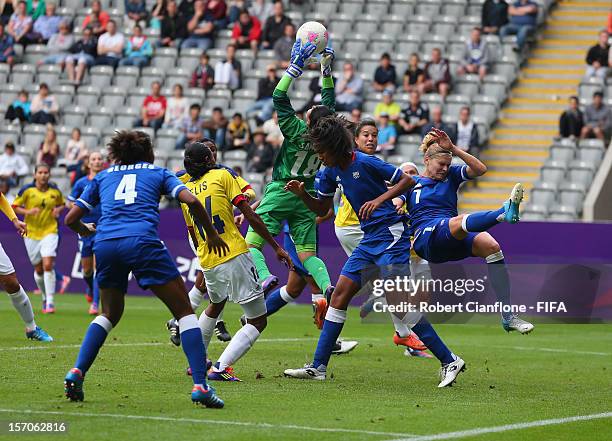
435, 243
86, 245
147, 259
383, 248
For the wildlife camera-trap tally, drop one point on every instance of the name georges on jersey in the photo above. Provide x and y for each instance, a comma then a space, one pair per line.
138, 166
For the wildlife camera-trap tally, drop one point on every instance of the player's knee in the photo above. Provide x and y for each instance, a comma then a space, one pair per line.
9, 283
491, 247
260, 322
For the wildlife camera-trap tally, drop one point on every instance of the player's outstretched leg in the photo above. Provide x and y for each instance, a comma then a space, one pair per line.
484, 220
266, 278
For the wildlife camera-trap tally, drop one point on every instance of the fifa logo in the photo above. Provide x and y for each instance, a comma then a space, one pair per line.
356, 175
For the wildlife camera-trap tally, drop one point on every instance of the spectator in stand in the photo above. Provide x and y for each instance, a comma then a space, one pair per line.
385, 76
158, 12
260, 154
201, 29
45, 26
49, 149
12, 165
215, 127
523, 16
572, 120
153, 109
387, 135
136, 12
35, 8
190, 127
475, 57
234, 8
388, 106
6, 11
466, 132
228, 72
238, 133
20, 24
274, 135
355, 116
262, 9
19, 109
138, 50
7, 47
494, 16
282, 47
173, 26
58, 46
97, 19
437, 75
82, 53
246, 32
414, 76
349, 91
187, 7
204, 75
263, 107
415, 116
45, 107
274, 27
76, 149
110, 46
177, 108
597, 119
597, 57
436, 122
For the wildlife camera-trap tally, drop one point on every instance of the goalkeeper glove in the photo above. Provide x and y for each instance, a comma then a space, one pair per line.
299, 55
327, 58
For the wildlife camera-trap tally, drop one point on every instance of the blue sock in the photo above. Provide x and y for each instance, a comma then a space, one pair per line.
332, 327
193, 346
434, 343
96, 291
59, 277
93, 341
481, 221
500, 280
90, 282
274, 302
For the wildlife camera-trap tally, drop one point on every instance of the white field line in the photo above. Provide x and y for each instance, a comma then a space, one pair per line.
204, 421
507, 427
537, 348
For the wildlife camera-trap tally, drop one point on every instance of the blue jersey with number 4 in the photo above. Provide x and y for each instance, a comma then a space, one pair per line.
430, 200
362, 181
129, 198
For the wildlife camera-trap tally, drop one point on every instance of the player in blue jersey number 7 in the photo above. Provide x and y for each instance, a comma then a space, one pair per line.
385, 240
441, 235
127, 241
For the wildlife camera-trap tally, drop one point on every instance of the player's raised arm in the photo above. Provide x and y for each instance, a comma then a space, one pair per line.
475, 166
213, 240
73, 221
260, 228
405, 182
320, 206
328, 94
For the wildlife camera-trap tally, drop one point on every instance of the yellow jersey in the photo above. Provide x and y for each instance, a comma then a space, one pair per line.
345, 216
219, 191
43, 223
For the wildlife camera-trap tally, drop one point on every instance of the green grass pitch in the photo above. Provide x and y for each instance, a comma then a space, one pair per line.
137, 389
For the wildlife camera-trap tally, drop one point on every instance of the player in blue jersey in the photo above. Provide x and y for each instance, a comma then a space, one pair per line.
127, 241
86, 244
385, 242
441, 235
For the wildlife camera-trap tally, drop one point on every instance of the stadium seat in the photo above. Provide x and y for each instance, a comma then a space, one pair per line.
418, 24
101, 76
444, 25
377, 8
113, 97
178, 75
393, 25
126, 77
8, 92
553, 172
74, 116
495, 86
34, 53
149, 75
563, 213
49, 73
485, 107
137, 96
592, 155
562, 153
87, 96
429, 8
101, 116
403, 8
34, 134
166, 139
124, 118
9, 133
433, 41
63, 135
596, 143
456, 8
454, 103
22, 74
543, 193
467, 85
581, 172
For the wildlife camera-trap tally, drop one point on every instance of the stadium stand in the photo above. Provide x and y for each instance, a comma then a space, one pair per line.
515, 110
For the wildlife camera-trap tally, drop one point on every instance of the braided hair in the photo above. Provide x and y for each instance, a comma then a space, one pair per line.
199, 159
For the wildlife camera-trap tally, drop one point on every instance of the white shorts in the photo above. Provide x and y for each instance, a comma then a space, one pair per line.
195, 253
6, 266
235, 280
349, 237
37, 249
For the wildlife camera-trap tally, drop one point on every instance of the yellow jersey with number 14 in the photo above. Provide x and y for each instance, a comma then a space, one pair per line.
219, 192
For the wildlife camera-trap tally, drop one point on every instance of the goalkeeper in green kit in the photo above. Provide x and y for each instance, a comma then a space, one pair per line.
295, 160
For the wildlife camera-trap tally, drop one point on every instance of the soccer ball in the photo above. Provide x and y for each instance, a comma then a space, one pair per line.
313, 32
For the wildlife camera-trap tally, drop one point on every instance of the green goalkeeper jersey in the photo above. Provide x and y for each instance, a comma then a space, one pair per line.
296, 160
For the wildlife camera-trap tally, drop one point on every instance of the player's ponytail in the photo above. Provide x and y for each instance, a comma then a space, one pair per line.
199, 159
430, 148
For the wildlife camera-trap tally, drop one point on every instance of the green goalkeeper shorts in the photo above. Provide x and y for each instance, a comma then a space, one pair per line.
279, 205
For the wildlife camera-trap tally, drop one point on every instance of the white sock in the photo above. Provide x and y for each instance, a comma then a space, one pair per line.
220, 318
285, 295
195, 297
40, 283
317, 296
240, 345
49, 277
22, 304
207, 326
400, 327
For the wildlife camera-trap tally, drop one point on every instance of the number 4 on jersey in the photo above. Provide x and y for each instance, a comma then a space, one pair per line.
126, 190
